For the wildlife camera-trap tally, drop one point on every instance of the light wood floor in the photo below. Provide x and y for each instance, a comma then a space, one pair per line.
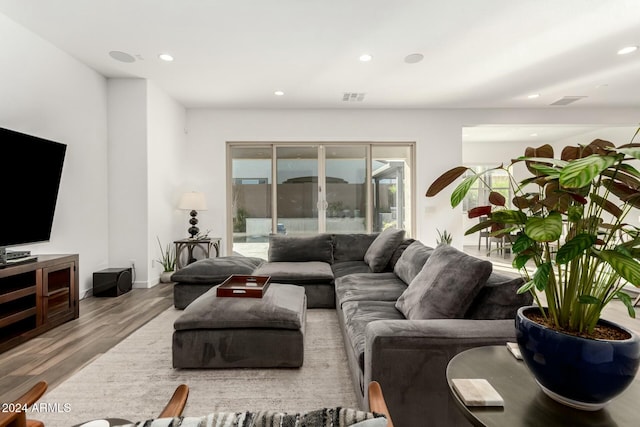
57, 354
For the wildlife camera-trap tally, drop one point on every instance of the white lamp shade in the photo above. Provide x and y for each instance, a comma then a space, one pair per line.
193, 200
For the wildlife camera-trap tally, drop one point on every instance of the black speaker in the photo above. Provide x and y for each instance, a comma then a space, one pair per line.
112, 282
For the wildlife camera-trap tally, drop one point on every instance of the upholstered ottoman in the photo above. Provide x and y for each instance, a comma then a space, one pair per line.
236, 332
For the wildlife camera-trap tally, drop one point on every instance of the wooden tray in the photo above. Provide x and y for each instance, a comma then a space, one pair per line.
242, 286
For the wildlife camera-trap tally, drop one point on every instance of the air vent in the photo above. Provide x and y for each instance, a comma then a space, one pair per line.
566, 100
353, 97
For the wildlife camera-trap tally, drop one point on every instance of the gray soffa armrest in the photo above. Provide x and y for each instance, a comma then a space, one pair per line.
409, 359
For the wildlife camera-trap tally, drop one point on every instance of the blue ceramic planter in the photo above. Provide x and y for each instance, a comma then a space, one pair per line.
579, 372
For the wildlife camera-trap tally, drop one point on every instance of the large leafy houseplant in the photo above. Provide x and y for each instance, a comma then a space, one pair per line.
587, 192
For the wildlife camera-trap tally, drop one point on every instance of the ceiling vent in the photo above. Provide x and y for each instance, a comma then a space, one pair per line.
353, 97
566, 100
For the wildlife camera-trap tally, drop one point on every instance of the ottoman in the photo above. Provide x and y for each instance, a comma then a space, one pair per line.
235, 332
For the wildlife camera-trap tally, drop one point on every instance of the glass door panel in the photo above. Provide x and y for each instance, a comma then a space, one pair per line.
346, 192
391, 187
297, 190
251, 200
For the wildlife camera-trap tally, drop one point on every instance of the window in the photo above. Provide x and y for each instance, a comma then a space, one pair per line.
492, 180
308, 188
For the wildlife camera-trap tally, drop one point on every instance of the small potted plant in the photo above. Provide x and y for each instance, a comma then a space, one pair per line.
567, 223
167, 260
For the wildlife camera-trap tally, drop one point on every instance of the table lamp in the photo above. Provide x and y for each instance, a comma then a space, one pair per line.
193, 201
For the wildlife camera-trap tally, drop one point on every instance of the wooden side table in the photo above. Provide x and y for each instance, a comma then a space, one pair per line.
192, 245
524, 403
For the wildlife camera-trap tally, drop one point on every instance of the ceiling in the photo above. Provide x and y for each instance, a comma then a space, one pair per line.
236, 53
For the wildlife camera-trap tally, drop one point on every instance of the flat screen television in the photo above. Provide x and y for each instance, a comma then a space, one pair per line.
30, 172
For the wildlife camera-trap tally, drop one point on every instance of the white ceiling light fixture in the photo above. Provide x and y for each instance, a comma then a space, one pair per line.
278, 93
365, 57
627, 50
413, 58
121, 56
166, 57
534, 96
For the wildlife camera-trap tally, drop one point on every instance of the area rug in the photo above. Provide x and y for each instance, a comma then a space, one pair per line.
134, 380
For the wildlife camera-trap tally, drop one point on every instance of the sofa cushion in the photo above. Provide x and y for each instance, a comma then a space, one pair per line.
411, 261
351, 247
446, 285
382, 248
297, 273
369, 286
358, 314
498, 298
216, 270
398, 253
345, 268
300, 249
281, 307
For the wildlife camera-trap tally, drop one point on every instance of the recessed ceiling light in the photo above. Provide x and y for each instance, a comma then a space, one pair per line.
121, 56
365, 57
278, 93
533, 134
165, 57
534, 96
628, 49
413, 58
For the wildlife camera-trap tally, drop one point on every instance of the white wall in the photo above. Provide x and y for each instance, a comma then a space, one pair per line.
128, 198
146, 139
438, 135
47, 93
166, 139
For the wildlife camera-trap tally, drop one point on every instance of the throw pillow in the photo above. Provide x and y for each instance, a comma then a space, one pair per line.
382, 248
411, 261
301, 249
499, 298
445, 287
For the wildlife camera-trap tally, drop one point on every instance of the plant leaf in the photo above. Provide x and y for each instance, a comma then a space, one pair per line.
575, 247
544, 229
496, 199
526, 287
520, 260
480, 226
575, 213
628, 268
607, 205
626, 300
541, 276
579, 173
588, 299
545, 170
628, 179
630, 151
461, 190
508, 216
522, 243
479, 211
445, 179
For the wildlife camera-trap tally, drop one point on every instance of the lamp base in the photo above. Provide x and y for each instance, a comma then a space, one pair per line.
193, 230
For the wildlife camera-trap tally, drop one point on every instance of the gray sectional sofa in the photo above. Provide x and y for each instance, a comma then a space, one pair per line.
405, 309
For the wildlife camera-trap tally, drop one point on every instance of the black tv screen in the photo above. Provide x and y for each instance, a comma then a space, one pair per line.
30, 169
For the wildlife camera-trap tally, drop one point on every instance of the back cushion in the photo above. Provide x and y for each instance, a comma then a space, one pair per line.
381, 250
411, 261
499, 299
351, 247
299, 249
445, 287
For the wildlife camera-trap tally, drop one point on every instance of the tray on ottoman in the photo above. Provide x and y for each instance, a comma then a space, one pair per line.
243, 286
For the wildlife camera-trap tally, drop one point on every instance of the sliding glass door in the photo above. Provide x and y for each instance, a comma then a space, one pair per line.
332, 188
297, 190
